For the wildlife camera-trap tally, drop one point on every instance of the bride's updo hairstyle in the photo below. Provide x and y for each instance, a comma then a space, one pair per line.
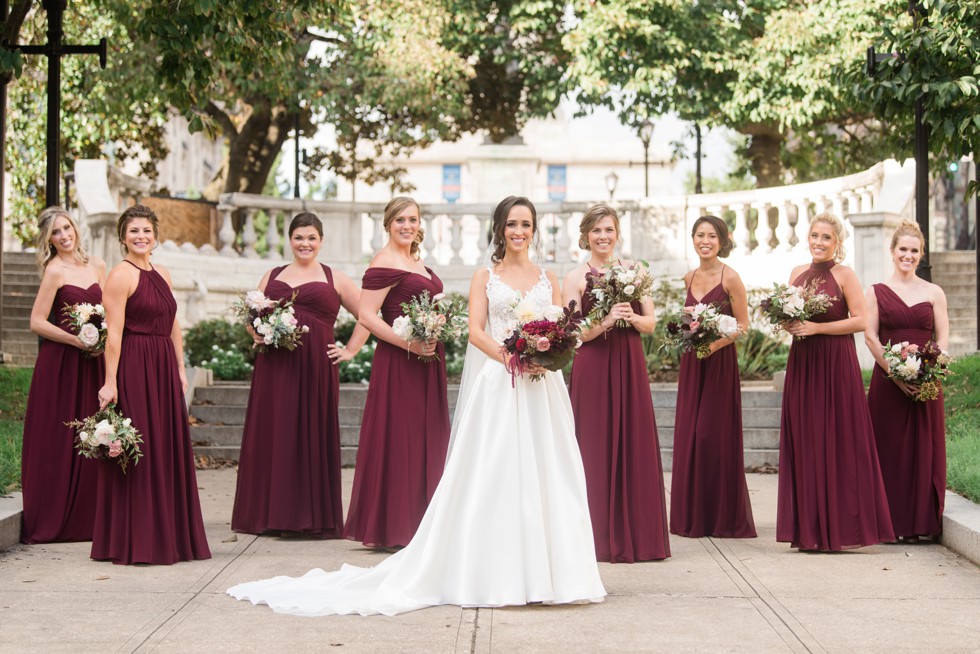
133, 213
592, 216
908, 228
395, 207
725, 242
837, 225
500, 223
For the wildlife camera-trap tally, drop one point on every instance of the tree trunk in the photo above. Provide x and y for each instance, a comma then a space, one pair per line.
765, 153
252, 151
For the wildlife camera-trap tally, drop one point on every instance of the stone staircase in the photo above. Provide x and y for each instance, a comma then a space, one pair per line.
956, 272
218, 415
20, 285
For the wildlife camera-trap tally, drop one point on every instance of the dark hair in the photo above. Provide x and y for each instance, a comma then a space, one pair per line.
500, 223
395, 207
133, 213
725, 243
592, 216
305, 219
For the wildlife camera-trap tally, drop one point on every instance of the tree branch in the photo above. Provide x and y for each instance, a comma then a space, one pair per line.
226, 124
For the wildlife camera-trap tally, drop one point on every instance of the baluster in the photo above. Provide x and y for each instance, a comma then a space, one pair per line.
837, 205
430, 244
456, 242
851, 201
226, 235
867, 199
563, 253
764, 228
784, 231
802, 226
272, 236
249, 237
377, 240
741, 234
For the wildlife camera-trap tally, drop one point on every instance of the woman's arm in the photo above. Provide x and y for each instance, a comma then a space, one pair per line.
740, 307
871, 338
118, 288
367, 315
176, 337
855, 322
478, 312
940, 319
43, 303
350, 297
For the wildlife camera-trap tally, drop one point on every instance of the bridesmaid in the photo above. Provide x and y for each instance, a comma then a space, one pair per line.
614, 421
405, 430
831, 496
708, 494
58, 484
911, 435
152, 513
289, 469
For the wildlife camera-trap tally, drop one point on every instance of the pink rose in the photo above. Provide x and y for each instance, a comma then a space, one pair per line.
440, 320
543, 344
694, 325
115, 449
913, 348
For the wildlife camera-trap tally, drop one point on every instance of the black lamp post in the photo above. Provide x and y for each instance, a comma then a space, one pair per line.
646, 133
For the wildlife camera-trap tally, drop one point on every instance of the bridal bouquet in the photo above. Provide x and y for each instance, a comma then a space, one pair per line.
620, 282
274, 320
437, 318
548, 338
108, 435
87, 322
922, 367
787, 303
695, 328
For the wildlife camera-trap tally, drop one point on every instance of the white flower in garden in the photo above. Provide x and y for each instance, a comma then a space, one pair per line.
104, 432
402, 327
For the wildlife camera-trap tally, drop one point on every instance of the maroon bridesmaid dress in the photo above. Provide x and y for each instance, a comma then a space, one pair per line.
58, 484
831, 496
708, 493
289, 469
152, 513
405, 430
617, 435
910, 435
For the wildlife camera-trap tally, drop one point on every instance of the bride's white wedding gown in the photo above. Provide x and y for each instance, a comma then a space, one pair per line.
509, 523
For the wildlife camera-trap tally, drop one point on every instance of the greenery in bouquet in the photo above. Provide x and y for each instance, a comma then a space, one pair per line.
437, 318
615, 283
921, 367
786, 303
273, 320
108, 435
87, 322
548, 339
694, 329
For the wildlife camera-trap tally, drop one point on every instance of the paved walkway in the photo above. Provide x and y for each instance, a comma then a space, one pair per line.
713, 595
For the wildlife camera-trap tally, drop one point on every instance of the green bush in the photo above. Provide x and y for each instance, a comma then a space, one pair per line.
962, 391
358, 369
201, 339
760, 355
228, 365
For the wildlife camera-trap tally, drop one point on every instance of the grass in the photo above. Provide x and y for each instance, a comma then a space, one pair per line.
962, 392
14, 385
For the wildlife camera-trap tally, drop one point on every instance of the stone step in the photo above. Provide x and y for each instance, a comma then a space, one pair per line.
958, 284
962, 312
752, 439
20, 277
18, 308
20, 288
754, 459
752, 418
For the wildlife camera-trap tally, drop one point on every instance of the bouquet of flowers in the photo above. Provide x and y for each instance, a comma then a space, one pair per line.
696, 328
547, 338
437, 318
787, 303
108, 435
922, 367
87, 322
274, 320
621, 282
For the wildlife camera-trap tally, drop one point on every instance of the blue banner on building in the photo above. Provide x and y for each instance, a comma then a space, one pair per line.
557, 176
451, 179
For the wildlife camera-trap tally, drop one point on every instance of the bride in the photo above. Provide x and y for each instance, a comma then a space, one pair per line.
509, 522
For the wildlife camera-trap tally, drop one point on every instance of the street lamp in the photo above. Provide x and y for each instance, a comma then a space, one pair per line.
612, 179
646, 133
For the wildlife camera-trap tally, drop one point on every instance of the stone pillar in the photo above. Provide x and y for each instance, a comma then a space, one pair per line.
872, 259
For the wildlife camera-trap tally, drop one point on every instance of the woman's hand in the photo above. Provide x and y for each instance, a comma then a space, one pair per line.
802, 328
905, 387
422, 348
532, 368
182, 374
107, 395
338, 353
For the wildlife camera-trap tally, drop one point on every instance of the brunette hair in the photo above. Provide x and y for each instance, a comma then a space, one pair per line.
395, 207
45, 251
131, 214
726, 244
305, 219
908, 228
500, 223
592, 216
838, 226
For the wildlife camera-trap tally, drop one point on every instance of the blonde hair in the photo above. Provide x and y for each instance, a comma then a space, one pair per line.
838, 226
395, 207
591, 218
908, 228
45, 250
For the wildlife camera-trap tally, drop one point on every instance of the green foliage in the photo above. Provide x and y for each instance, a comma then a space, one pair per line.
15, 383
201, 341
358, 369
760, 355
937, 61
962, 392
227, 364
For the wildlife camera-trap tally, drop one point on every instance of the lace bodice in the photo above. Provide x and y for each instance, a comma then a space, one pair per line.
502, 301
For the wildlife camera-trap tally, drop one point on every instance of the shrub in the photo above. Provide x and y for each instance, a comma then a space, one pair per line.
358, 369
201, 339
229, 365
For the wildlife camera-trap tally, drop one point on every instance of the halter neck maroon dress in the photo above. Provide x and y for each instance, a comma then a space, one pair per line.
405, 430
708, 493
617, 435
289, 468
910, 435
59, 484
151, 514
831, 496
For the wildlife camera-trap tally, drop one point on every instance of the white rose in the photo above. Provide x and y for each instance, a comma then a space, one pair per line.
727, 326
909, 369
897, 348
793, 306
629, 290
255, 300
402, 327
88, 335
83, 436
438, 297
84, 312
104, 433
553, 313
699, 309
99, 309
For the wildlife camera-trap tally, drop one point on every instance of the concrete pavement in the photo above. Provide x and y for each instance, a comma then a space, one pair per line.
712, 595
